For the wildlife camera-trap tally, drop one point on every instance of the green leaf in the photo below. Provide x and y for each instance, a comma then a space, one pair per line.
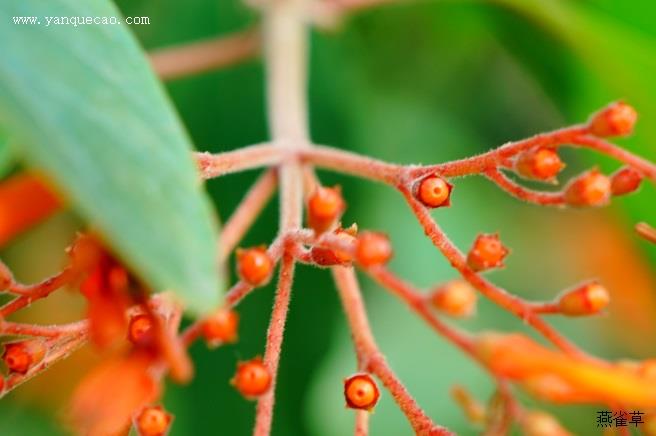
85, 106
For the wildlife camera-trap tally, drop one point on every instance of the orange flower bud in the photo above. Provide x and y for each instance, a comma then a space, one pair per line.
540, 163
361, 392
153, 421
2, 384
625, 181
327, 257
586, 299
254, 265
486, 252
591, 188
221, 327
141, 330
434, 191
455, 298
252, 378
373, 249
616, 119
21, 356
538, 423
325, 206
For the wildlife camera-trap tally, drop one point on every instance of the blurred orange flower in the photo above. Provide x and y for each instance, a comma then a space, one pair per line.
557, 377
107, 398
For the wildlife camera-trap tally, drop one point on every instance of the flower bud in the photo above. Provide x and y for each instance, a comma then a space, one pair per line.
625, 181
221, 327
591, 188
254, 265
486, 252
325, 207
434, 191
540, 163
616, 119
586, 299
361, 392
372, 249
141, 331
252, 378
153, 421
327, 257
21, 356
455, 298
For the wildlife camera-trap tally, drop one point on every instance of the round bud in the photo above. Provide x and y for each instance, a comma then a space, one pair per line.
372, 249
325, 207
141, 330
153, 421
434, 191
455, 298
327, 257
254, 266
540, 163
591, 188
21, 356
486, 252
616, 119
586, 299
625, 181
361, 392
221, 327
252, 378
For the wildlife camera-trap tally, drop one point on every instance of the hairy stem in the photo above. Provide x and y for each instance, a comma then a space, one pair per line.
285, 56
504, 299
264, 413
246, 213
373, 360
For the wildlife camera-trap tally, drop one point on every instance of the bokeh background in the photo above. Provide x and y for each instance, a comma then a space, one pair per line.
414, 82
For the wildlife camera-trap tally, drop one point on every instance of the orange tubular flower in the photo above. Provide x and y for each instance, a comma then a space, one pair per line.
106, 290
111, 394
554, 376
25, 200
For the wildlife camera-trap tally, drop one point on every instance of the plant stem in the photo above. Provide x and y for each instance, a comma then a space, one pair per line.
285, 58
371, 357
498, 295
197, 57
246, 213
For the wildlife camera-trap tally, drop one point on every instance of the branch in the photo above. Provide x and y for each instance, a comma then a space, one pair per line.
246, 213
368, 352
511, 303
184, 60
264, 413
254, 156
522, 193
418, 304
499, 157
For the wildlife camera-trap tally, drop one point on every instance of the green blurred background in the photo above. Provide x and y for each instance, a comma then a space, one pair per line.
418, 82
